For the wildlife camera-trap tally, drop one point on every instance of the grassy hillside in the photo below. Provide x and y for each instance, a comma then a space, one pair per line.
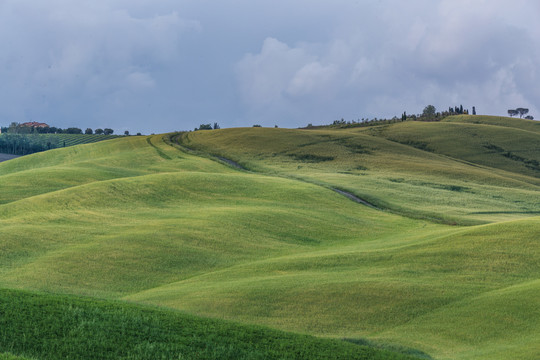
394, 291
514, 149
144, 220
386, 167
53, 327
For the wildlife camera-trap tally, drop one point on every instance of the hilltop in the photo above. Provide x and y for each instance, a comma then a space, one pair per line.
444, 261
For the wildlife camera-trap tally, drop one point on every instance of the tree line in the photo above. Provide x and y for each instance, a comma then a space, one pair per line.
17, 128
520, 112
22, 144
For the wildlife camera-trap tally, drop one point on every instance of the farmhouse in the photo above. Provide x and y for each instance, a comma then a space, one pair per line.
35, 124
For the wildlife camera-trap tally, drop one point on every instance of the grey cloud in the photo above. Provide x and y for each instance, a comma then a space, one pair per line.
160, 66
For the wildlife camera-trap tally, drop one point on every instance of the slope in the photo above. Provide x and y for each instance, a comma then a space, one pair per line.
48, 326
178, 217
174, 228
394, 176
426, 294
512, 145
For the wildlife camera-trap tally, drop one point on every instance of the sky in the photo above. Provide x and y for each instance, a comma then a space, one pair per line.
160, 66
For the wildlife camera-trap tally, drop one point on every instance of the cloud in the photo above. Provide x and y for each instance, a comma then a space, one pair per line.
63, 55
311, 78
180, 63
402, 56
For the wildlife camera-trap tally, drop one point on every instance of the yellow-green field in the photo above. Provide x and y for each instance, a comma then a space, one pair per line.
447, 262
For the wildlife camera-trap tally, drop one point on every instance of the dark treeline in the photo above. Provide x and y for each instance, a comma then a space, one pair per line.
20, 144
430, 113
16, 128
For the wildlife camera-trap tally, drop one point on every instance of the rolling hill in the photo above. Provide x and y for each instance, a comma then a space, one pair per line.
445, 261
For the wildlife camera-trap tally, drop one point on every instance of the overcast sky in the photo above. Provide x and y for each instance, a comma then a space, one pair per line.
158, 66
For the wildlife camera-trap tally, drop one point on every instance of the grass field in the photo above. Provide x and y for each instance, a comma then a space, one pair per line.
458, 181
48, 326
449, 264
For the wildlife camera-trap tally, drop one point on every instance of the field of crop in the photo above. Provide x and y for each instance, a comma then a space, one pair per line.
75, 139
447, 261
24, 144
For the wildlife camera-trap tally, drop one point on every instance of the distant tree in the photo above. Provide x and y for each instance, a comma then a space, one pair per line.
73, 130
108, 131
216, 126
429, 111
126, 133
473, 110
529, 117
522, 111
404, 116
512, 112
98, 131
461, 109
14, 128
204, 127
88, 131
256, 125
138, 134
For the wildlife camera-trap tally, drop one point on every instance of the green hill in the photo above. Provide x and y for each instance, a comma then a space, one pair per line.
54, 327
445, 261
422, 170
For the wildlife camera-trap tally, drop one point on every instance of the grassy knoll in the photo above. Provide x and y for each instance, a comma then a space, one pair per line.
137, 219
524, 124
172, 219
387, 291
488, 143
45, 326
402, 177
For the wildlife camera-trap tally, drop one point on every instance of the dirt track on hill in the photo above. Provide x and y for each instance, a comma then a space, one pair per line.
341, 192
4, 157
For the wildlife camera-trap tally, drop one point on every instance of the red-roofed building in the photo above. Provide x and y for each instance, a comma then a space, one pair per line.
35, 124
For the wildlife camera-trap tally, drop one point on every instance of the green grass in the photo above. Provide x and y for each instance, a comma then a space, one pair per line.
449, 266
456, 185
46, 326
383, 290
58, 140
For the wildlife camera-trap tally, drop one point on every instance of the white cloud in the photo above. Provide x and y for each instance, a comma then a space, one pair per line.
140, 80
264, 77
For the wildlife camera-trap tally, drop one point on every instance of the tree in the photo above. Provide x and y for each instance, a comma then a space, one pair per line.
529, 117
73, 130
98, 131
429, 111
88, 131
126, 133
522, 111
512, 112
13, 127
216, 126
108, 131
473, 110
204, 127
